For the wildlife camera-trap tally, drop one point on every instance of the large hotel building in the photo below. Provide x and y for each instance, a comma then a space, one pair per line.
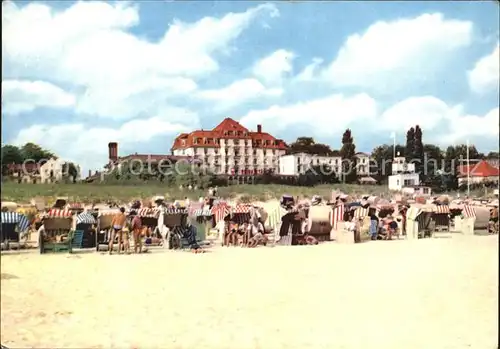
232, 149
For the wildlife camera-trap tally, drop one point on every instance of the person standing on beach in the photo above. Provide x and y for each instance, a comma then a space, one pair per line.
373, 226
136, 226
117, 223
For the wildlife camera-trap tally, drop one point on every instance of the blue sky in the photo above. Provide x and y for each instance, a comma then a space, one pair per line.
79, 75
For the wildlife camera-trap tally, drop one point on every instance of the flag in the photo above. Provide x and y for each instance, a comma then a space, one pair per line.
393, 135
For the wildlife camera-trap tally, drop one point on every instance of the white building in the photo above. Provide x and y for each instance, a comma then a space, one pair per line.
362, 164
403, 174
296, 164
53, 171
232, 149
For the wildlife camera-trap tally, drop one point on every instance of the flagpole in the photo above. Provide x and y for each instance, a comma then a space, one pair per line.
468, 170
394, 145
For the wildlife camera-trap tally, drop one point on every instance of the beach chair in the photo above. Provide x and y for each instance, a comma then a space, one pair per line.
77, 240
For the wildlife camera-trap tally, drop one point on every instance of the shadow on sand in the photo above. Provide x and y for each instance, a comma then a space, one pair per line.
5, 276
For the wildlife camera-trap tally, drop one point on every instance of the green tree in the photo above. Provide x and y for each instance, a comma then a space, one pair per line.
348, 154
184, 175
71, 171
492, 155
10, 155
410, 144
382, 164
32, 151
460, 151
434, 159
418, 152
309, 146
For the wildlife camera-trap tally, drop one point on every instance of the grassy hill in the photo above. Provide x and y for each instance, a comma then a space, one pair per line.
102, 192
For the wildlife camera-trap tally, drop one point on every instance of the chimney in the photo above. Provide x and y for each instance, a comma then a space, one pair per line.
90, 173
113, 151
259, 128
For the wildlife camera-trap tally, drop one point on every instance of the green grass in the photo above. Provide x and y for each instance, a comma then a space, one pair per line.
101, 192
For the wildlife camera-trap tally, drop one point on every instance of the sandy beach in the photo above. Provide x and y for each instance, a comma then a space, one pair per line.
432, 293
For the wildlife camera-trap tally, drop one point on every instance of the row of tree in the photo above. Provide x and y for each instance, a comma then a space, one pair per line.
12, 154
437, 167
33, 153
438, 173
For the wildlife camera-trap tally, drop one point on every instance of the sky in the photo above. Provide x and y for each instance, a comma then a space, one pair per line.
78, 75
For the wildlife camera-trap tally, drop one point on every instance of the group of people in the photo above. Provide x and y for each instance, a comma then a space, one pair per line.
379, 228
122, 226
249, 234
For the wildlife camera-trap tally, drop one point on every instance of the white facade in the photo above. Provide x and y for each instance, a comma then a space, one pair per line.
362, 164
399, 165
296, 164
403, 174
398, 181
53, 171
235, 155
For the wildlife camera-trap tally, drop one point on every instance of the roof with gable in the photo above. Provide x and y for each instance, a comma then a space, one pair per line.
229, 124
482, 169
227, 129
362, 154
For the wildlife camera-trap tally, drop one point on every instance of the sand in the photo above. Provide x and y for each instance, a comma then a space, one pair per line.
432, 293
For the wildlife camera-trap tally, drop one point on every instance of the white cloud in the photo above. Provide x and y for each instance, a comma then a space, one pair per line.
238, 92
485, 75
398, 51
273, 68
87, 146
442, 124
129, 100
324, 116
474, 127
89, 45
309, 72
425, 111
20, 96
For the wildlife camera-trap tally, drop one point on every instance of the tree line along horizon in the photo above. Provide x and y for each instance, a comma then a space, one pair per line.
413, 149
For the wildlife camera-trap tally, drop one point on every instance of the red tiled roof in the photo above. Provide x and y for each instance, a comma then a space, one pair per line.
481, 169
28, 167
228, 128
229, 124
